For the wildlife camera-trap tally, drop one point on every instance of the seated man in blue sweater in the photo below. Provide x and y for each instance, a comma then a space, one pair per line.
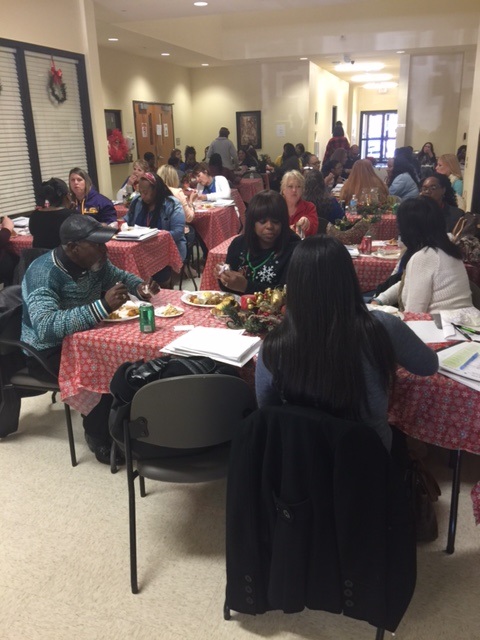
70, 289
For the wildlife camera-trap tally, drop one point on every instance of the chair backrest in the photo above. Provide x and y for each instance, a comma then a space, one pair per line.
11, 313
27, 256
475, 289
187, 412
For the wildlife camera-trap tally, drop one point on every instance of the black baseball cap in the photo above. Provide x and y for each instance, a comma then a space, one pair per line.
79, 227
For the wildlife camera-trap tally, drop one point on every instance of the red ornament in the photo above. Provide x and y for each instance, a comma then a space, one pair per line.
117, 146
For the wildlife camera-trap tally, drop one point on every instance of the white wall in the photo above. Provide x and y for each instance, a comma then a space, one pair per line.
326, 91
148, 80
279, 90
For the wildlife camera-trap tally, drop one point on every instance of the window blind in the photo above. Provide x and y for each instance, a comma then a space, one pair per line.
16, 184
58, 126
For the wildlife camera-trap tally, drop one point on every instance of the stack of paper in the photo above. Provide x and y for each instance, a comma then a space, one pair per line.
21, 222
223, 203
353, 250
136, 233
462, 363
224, 345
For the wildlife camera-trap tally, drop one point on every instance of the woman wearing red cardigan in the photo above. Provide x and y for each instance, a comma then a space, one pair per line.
302, 214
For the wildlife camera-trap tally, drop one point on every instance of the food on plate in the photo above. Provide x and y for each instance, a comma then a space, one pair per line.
227, 302
170, 310
210, 298
127, 310
392, 241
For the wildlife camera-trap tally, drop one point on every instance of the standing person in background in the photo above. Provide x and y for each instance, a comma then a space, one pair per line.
149, 158
337, 141
8, 258
54, 208
449, 166
225, 147
88, 201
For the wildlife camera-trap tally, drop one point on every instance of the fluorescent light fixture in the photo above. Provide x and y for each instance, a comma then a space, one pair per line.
372, 77
205, 64
113, 39
164, 54
359, 66
401, 51
200, 4
303, 58
380, 85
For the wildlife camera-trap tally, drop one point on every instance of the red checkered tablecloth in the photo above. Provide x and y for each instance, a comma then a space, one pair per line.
142, 258
90, 358
371, 271
216, 224
385, 229
438, 410
248, 187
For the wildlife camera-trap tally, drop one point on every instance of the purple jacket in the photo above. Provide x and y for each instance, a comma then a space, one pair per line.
98, 207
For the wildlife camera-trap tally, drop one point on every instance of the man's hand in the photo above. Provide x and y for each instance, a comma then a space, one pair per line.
116, 296
148, 289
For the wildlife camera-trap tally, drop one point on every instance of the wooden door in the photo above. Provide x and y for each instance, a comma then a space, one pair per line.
154, 129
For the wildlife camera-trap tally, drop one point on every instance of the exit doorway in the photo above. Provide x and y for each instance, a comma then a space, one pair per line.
154, 129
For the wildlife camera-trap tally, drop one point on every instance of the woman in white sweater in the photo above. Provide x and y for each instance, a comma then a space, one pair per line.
435, 277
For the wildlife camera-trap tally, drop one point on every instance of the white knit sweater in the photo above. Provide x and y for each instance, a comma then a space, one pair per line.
433, 281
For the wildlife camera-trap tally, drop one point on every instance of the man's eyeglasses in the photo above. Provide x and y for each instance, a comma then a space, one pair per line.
432, 187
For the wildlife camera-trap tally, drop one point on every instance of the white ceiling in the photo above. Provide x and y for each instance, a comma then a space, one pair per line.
232, 32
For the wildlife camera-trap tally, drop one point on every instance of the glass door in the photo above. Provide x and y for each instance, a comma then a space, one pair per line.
378, 134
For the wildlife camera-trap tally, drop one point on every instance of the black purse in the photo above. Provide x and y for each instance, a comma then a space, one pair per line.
425, 491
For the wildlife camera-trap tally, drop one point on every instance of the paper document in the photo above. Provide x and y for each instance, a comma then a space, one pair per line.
136, 233
462, 359
224, 345
21, 221
428, 332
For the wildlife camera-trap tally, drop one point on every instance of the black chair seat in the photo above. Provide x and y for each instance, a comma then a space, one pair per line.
23, 379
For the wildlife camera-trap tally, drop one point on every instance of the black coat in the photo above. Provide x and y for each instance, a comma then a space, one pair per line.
317, 517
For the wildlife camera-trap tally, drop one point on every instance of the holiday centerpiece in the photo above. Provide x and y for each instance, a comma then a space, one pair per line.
258, 312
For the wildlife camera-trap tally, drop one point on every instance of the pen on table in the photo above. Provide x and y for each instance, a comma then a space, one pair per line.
469, 329
462, 332
469, 361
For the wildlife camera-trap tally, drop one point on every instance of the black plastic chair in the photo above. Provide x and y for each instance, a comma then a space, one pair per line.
199, 429
16, 381
189, 262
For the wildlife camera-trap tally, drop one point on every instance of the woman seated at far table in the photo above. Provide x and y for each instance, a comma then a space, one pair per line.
88, 201
435, 277
303, 218
210, 187
438, 187
330, 352
363, 177
259, 258
45, 222
157, 208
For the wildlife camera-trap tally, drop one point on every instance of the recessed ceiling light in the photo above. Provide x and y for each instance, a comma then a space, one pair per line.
380, 85
165, 54
359, 66
205, 64
200, 4
113, 39
303, 58
401, 51
372, 77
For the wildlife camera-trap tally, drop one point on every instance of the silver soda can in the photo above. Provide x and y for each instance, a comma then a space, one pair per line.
147, 318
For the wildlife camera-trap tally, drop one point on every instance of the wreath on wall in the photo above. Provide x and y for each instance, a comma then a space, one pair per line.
56, 85
117, 146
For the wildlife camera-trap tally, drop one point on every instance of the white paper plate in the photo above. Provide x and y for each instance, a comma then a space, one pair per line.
187, 296
159, 312
386, 256
122, 309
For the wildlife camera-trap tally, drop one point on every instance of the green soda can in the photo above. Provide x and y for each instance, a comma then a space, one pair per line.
147, 318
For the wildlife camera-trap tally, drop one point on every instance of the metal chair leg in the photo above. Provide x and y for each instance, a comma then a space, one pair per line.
113, 457
226, 611
452, 522
131, 521
141, 480
71, 440
380, 634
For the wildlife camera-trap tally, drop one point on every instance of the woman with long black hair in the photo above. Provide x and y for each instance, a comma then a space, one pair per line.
330, 352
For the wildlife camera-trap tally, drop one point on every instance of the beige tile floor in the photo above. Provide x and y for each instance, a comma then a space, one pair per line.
64, 554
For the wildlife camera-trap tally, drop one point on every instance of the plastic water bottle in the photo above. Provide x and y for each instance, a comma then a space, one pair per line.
353, 204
